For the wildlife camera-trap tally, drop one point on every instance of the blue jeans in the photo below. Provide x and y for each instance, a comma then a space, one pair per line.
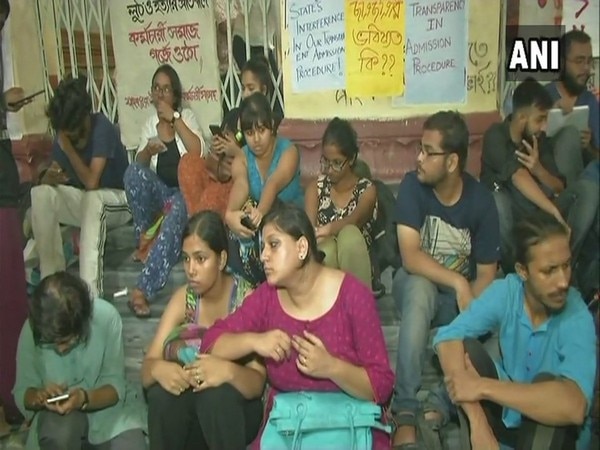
568, 153
421, 304
505, 217
578, 204
147, 196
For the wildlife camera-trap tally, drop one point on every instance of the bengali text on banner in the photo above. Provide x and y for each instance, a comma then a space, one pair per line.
149, 34
374, 47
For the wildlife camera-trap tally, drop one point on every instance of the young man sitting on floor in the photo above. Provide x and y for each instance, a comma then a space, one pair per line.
83, 187
539, 394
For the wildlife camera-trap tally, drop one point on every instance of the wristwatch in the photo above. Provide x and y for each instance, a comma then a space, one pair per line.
86, 400
176, 115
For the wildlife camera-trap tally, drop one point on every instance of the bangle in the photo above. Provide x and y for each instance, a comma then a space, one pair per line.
86, 400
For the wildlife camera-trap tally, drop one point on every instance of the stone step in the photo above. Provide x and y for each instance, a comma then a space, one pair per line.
120, 272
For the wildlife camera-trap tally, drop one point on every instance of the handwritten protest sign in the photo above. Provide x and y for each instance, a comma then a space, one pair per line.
374, 47
583, 15
436, 51
317, 44
147, 34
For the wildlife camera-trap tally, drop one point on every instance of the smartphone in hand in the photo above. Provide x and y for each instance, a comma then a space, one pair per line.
26, 99
216, 130
58, 398
247, 223
155, 141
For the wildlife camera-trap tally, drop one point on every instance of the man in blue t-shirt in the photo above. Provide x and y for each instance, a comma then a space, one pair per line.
449, 241
574, 149
83, 186
538, 392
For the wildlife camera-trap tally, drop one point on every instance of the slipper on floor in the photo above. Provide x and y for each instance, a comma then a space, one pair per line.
138, 310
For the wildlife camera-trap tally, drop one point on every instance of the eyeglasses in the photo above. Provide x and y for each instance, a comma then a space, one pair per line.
156, 89
421, 151
582, 61
68, 342
336, 166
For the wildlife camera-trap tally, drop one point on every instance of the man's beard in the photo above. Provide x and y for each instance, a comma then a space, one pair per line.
571, 85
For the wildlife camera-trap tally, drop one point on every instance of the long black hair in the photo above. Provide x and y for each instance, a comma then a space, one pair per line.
293, 221
533, 229
208, 226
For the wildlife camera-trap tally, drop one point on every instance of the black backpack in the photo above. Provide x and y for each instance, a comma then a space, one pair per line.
384, 249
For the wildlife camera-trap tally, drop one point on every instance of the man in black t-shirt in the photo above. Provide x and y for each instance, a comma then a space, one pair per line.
448, 236
518, 166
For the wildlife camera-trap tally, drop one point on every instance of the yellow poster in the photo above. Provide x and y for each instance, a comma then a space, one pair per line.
374, 47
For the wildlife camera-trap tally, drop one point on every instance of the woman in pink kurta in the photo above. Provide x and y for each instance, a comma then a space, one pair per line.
317, 328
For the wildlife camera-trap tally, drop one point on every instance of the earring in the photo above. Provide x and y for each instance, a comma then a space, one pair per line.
302, 256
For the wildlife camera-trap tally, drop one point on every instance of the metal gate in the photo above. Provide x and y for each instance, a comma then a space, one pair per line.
75, 39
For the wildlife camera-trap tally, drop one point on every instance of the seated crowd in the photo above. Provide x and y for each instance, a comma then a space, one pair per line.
275, 340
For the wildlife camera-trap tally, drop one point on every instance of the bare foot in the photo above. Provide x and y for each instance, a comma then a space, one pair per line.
433, 416
405, 434
138, 304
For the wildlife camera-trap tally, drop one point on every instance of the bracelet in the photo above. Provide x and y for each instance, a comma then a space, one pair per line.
86, 400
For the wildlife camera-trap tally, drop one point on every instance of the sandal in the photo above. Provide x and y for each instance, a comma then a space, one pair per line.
402, 420
429, 432
139, 306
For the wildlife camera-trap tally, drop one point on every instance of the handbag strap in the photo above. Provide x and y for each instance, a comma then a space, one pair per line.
296, 442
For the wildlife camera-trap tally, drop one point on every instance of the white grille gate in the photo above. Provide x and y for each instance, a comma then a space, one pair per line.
75, 39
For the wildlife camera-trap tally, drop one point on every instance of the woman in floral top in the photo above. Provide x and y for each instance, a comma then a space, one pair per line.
342, 206
198, 399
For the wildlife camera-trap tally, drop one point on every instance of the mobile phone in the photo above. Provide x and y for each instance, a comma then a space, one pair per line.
155, 141
26, 99
522, 147
58, 398
216, 130
247, 223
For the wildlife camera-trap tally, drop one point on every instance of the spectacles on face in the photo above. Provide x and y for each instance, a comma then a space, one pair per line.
336, 166
582, 61
422, 151
164, 90
65, 343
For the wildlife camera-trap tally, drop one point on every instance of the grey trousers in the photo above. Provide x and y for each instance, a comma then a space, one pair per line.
69, 432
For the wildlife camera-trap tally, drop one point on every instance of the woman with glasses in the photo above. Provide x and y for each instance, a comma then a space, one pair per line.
71, 346
267, 171
152, 186
342, 206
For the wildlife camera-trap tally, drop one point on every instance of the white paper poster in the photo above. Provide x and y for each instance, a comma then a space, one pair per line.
317, 44
147, 34
583, 15
436, 52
